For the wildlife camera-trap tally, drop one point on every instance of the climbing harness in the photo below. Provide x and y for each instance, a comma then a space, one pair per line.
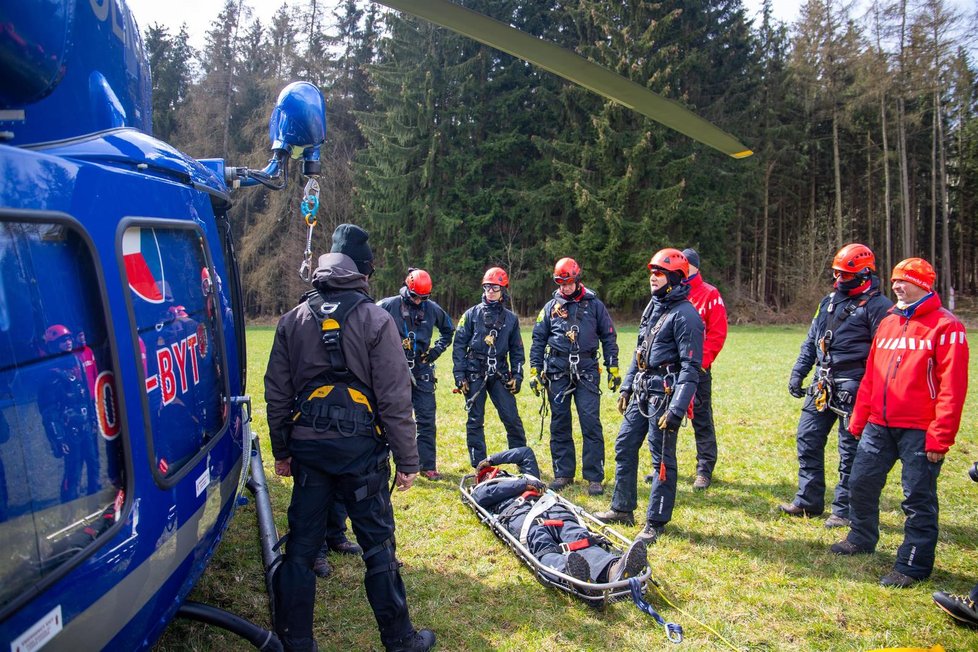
336, 400
309, 208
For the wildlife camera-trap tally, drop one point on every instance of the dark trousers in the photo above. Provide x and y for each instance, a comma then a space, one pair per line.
423, 398
336, 523
475, 434
543, 541
703, 429
83, 450
813, 431
357, 471
588, 400
662, 443
879, 449
628, 443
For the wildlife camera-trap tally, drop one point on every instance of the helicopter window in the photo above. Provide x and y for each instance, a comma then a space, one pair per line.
61, 470
174, 302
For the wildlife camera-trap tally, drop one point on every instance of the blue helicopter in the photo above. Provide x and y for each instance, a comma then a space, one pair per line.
124, 426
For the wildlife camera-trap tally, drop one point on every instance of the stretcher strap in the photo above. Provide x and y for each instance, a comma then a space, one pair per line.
542, 505
674, 631
550, 522
580, 544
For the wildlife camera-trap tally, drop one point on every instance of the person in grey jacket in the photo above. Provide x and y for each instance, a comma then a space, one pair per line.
338, 394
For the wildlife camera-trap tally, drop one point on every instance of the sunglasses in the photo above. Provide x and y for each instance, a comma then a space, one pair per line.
415, 295
843, 276
491, 287
562, 280
655, 271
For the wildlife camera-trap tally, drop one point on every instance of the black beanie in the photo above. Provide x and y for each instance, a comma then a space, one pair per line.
351, 240
692, 257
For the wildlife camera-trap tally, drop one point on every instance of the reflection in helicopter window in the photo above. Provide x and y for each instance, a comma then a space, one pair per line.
61, 471
174, 307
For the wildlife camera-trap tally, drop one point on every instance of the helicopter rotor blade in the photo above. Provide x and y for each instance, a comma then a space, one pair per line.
572, 67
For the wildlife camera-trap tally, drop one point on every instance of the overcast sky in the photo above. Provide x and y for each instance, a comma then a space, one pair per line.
198, 14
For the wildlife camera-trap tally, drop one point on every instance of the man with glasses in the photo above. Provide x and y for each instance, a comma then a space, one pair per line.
837, 345
488, 361
416, 317
656, 394
564, 360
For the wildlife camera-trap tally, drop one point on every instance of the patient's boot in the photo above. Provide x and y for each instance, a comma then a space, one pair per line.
631, 563
577, 567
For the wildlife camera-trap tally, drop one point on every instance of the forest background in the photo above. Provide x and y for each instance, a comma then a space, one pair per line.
457, 157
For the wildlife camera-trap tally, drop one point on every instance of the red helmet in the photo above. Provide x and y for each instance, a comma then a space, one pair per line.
672, 260
418, 282
854, 258
496, 276
567, 271
917, 271
55, 332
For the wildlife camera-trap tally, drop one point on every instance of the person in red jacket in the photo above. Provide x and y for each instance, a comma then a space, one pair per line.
908, 408
708, 302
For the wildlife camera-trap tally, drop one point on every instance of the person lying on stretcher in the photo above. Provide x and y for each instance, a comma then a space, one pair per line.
547, 528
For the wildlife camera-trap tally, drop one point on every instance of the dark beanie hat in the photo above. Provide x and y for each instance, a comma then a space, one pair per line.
351, 240
692, 257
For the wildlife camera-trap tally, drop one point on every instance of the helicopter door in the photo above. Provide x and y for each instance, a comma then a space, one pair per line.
173, 293
61, 462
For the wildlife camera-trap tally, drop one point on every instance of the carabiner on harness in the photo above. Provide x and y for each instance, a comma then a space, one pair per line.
309, 208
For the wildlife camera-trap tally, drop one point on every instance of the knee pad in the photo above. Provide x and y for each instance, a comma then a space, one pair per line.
381, 558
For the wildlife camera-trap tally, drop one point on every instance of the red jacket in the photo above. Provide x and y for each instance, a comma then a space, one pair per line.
916, 375
708, 302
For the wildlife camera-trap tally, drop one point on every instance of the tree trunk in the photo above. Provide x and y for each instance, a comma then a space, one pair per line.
765, 228
908, 234
839, 230
946, 284
888, 226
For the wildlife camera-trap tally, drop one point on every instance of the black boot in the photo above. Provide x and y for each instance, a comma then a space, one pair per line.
419, 641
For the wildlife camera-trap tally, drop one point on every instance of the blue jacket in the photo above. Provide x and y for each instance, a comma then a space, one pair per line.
560, 315
853, 321
471, 351
676, 332
416, 324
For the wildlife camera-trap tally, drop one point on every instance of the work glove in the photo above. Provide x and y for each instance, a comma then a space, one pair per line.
483, 464
462, 385
514, 384
614, 378
535, 383
794, 386
670, 421
623, 399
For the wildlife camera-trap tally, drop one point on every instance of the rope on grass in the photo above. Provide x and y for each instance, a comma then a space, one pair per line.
662, 595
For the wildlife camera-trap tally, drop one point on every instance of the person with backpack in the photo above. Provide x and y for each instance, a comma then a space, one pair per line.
338, 394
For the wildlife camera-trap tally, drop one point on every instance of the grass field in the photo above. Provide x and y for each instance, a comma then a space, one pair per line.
729, 562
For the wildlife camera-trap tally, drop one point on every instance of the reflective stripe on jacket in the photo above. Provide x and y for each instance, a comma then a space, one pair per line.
708, 302
917, 375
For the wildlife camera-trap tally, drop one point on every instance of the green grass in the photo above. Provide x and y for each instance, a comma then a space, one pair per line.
729, 562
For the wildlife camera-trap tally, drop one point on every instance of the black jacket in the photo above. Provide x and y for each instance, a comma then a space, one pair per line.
373, 353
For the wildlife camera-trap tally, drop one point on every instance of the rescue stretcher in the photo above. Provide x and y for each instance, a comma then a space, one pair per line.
595, 594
